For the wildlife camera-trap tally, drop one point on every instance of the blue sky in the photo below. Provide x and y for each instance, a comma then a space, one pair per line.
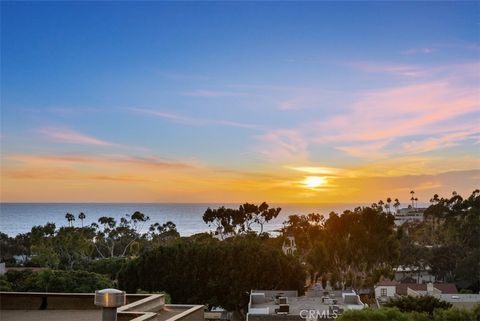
245, 88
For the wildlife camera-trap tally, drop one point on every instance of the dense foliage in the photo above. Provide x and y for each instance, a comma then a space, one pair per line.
424, 303
448, 240
53, 281
393, 314
217, 273
353, 249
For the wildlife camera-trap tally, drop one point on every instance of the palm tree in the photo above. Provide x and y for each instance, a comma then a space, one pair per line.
389, 201
416, 202
70, 218
380, 202
82, 216
396, 205
412, 198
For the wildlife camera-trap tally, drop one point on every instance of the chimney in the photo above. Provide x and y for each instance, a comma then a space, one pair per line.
430, 288
109, 300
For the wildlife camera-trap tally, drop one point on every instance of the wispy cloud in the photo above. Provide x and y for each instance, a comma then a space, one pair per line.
213, 93
440, 142
282, 145
195, 121
432, 113
318, 170
366, 150
394, 69
65, 135
65, 111
183, 76
104, 159
420, 50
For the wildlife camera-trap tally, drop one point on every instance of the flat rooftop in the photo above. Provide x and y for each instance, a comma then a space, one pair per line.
50, 315
24, 306
318, 301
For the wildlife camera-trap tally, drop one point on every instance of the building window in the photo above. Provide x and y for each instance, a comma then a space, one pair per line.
383, 292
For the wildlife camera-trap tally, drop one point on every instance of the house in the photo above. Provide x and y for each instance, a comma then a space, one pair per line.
385, 290
409, 214
414, 274
388, 289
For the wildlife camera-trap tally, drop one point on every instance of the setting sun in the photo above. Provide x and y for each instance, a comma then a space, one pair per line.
314, 181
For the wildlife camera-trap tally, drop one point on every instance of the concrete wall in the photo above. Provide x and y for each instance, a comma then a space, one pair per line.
45, 301
140, 307
191, 313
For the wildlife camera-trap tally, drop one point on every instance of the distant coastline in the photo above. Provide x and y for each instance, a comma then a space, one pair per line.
18, 218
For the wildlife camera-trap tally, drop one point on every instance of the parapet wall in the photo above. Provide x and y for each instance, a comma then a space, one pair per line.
139, 307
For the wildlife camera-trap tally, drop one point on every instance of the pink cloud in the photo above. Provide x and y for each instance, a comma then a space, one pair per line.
283, 146
370, 150
380, 122
191, 120
65, 135
434, 143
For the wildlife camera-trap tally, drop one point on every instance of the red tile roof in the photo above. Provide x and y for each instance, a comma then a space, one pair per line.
387, 283
445, 288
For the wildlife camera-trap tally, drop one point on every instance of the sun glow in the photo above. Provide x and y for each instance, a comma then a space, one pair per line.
314, 182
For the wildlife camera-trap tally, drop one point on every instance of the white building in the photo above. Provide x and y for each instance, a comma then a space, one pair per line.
415, 274
409, 214
289, 247
385, 290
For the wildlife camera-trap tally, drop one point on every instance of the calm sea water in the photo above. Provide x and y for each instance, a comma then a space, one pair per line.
18, 218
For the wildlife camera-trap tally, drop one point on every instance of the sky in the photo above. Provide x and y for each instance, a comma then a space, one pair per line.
182, 102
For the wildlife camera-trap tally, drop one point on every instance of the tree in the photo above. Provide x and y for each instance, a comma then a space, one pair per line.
424, 303
396, 205
14, 246
387, 206
381, 203
117, 240
216, 273
353, 249
258, 214
81, 217
70, 218
163, 233
58, 281
229, 221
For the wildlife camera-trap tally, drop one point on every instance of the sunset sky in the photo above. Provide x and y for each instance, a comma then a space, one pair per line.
234, 102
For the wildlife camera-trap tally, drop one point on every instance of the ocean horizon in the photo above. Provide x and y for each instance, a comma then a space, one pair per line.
16, 218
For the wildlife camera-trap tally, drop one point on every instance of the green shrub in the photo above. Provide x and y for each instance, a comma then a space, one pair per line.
453, 315
386, 314
108, 266
5, 286
424, 303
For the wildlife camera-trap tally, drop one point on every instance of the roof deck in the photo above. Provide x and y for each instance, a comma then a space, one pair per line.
276, 302
16, 306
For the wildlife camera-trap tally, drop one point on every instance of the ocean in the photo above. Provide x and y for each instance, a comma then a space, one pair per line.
18, 218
